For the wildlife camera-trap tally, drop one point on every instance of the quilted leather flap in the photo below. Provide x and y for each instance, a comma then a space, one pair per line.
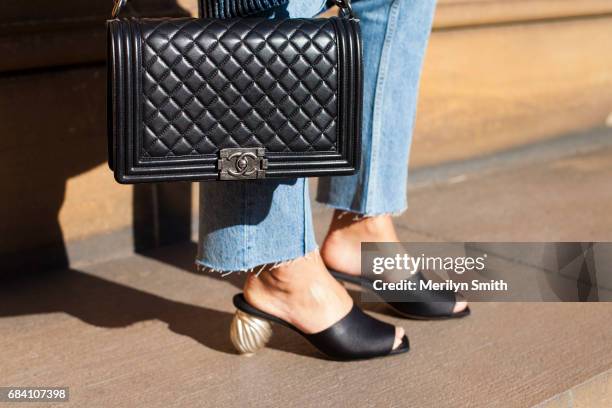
213, 84
183, 91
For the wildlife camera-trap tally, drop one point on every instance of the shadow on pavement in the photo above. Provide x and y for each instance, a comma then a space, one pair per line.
183, 255
106, 304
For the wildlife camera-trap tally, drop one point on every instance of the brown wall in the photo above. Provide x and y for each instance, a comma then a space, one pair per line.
54, 182
498, 74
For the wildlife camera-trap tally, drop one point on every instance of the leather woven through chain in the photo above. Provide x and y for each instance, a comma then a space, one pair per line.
213, 84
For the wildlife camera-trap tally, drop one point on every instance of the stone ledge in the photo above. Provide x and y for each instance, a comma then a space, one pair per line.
470, 13
596, 392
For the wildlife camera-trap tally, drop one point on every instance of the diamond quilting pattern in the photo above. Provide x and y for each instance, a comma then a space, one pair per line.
213, 84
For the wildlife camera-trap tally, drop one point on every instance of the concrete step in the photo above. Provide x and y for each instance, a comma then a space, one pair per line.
596, 392
148, 331
554, 191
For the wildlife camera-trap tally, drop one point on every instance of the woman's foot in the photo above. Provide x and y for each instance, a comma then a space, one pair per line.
303, 293
341, 250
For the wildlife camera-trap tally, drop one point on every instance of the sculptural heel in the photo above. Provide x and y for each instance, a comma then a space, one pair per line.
249, 333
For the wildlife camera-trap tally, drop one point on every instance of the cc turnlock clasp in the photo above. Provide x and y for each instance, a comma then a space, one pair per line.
242, 163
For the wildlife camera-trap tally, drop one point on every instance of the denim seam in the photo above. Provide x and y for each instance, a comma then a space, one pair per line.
304, 226
207, 266
378, 102
350, 209
244, 220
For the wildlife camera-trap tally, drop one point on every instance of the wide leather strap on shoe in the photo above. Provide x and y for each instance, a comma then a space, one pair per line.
421, 304
355, 336
427, 303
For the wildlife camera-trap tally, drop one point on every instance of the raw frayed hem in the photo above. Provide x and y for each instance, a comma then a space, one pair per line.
201, 267
358, 216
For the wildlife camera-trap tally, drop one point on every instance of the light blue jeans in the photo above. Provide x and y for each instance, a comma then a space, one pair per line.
252, 223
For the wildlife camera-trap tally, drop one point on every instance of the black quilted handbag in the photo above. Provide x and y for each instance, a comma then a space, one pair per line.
243, 98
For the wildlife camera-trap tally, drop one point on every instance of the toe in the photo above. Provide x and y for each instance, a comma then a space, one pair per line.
460, 304
399, 335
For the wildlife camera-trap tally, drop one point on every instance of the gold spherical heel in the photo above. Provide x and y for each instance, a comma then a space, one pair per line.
249, 333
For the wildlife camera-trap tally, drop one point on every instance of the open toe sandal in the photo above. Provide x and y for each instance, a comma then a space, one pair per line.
423, 304
356, 336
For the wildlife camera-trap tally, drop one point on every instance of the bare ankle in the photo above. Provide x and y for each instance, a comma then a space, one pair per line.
360, 228
301, 292
284, 276
341, 249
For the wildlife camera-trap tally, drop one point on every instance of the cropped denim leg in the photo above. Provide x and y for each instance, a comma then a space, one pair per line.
252, 223
247, 224
395, 36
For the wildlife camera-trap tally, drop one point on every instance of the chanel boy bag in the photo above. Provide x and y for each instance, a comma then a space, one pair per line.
243, 98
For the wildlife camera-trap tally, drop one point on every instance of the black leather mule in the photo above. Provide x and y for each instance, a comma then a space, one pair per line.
423, 304
356, 336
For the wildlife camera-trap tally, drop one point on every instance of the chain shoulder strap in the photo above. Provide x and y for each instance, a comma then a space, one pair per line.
119, 4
